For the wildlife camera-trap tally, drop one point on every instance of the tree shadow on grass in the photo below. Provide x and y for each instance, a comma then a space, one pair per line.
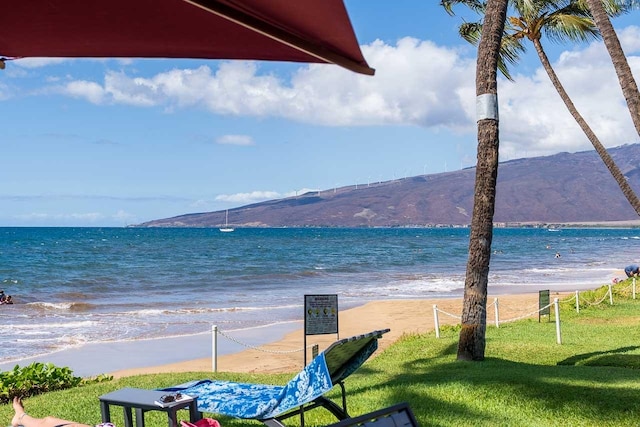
614, 357
600, 393
443, 391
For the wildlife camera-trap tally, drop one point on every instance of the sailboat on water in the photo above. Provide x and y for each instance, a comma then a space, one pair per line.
226, 228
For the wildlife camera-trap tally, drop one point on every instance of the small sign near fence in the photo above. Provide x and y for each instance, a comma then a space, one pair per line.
320, 317
543, 304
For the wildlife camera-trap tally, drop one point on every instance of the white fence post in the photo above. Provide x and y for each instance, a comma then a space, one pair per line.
557, 309
577, 301
214, 348
495, 302
610, 295
435, 320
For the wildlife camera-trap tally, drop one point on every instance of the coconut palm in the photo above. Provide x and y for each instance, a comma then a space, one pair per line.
472, 336
559, 20
628, 84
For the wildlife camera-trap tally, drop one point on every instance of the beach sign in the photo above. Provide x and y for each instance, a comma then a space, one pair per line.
543, 304
320, 314
320, 317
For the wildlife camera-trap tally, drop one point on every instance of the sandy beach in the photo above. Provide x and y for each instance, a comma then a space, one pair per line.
401, 316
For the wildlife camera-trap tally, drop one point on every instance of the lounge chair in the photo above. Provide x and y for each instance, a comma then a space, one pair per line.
399, 415
271, 403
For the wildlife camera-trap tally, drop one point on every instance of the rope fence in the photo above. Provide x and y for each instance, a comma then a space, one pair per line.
576, 297
608, 294
214, 347
436, 316
555, 303
632, 286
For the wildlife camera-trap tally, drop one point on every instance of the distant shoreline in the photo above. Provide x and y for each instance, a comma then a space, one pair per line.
635, 223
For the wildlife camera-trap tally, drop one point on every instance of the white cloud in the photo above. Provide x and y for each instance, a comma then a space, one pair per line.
91, 91
132, 91
39, 62
417, 83
76, 218
256, 196
630, 39
300, 192
119, 218
535, 121
244, 198
235, 140
45, 62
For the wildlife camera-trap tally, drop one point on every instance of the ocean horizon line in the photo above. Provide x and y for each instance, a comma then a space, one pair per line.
497, 224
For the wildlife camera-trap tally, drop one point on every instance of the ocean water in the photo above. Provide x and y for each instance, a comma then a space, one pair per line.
74, 286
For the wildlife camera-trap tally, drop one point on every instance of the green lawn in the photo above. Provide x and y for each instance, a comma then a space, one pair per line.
527, 379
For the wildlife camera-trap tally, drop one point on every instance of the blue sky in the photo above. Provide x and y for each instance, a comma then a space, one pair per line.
112, 142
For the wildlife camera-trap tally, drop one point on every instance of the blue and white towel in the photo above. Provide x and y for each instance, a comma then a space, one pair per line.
260, 401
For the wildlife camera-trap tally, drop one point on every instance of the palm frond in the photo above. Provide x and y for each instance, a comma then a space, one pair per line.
613, 7
471, 32
631, 4
510, 48
477, 6
533, 9
560, 28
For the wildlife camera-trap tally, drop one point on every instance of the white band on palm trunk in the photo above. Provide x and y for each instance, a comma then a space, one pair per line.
487, 106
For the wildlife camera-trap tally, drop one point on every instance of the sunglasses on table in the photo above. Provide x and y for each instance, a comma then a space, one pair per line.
168, 398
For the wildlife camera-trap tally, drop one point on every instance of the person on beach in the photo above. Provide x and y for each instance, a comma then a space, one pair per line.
21, 418
632, 270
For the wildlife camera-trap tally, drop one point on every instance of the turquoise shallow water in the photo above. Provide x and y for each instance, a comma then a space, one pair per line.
74, 286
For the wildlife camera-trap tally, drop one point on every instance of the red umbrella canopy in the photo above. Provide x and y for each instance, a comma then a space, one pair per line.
275, 30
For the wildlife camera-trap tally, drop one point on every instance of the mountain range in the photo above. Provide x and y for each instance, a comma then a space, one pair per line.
564, 188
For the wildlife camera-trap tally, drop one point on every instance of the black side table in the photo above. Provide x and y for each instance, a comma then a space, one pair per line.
142, 400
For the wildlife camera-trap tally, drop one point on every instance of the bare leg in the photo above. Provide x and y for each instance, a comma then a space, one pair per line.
23, 419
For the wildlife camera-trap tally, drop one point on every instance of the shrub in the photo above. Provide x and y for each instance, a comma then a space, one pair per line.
38, 378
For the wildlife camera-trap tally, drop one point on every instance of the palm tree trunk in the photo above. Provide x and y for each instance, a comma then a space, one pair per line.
604, 154
472, 342
625, 77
